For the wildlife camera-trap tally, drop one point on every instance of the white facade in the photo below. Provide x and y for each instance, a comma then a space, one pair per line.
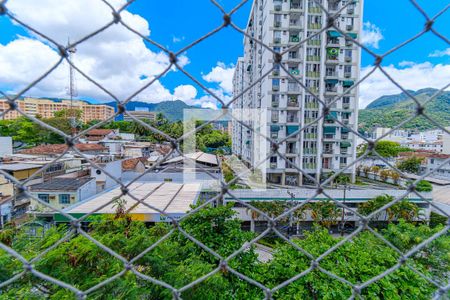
435, 161
327, 64
6, 148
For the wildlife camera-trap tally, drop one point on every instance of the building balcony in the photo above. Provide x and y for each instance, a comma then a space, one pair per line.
273, 165
331, 90
292, 103
349, 27
275, 103
314, 25
314, 42
350, 11
276, 72
313, 58
277, 24
275, 88
342, 165
292, 120
277, 40
327, 151
314, 10
333, 43
312, 74
312, 105
332, 59
296, 6
348, 59
346, 106
347, 74
331, 75
309, 136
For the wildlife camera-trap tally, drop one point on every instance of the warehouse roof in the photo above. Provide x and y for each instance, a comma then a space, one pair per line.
173, 198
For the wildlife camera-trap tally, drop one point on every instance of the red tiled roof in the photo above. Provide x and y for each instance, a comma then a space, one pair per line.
60, 148
102, 132
130, 164
439, 155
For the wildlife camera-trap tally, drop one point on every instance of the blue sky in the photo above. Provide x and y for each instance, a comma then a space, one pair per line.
175, 24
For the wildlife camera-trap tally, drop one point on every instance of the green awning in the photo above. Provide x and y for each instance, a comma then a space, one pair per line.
290, 129
345, 144
333, 34
331, 81
332, 113
352, 35
329, 129
345, 130
274, 128
348, 83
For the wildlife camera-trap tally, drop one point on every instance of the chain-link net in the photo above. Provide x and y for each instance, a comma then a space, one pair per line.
227, 263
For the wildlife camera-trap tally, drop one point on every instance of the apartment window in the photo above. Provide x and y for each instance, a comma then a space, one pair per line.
348, 53
43, 197
64, 199
273, 159
348, 69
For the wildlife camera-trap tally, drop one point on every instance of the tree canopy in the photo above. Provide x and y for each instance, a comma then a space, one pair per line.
178, 261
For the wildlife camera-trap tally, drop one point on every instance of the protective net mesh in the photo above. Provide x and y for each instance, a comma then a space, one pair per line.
224, 262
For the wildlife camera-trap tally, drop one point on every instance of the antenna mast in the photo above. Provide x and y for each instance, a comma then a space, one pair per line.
72, 88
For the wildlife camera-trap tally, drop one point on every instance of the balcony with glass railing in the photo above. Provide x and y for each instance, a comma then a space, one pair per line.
314, 42
314, 26
314, 10
313, 58
313, 74
309, 136
312, 105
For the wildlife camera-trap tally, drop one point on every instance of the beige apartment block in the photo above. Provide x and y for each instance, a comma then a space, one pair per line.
46, 108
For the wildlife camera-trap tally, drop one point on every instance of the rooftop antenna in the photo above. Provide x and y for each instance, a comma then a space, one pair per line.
72, 88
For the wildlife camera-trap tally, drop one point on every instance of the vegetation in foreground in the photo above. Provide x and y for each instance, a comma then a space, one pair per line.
178, 261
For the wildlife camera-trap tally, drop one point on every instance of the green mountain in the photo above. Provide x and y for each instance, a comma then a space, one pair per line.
172, 110
390, 110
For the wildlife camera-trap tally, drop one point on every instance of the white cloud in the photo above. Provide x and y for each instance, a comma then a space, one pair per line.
176, 39
223, 75
413, 76
185, 92
371, 35
440, 53
116, 58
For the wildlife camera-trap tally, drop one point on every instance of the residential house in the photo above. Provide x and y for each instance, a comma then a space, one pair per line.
62, 192
134, 164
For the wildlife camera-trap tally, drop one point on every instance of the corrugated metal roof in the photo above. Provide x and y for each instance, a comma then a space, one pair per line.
173, 198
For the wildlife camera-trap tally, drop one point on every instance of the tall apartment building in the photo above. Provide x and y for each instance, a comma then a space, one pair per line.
46, 108
328, 64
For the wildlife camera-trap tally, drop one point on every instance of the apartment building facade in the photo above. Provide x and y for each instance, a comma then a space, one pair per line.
47, 107
327, 64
